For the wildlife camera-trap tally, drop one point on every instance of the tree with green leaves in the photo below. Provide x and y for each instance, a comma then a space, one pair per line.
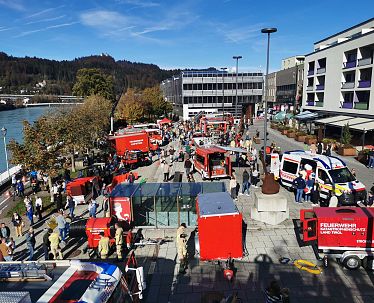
157, 106
92, 81
130, 107
346, 135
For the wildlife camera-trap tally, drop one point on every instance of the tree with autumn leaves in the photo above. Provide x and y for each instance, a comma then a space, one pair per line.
136, 105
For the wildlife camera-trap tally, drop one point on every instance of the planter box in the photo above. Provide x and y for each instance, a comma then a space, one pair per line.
284, 131
291, 134
300, 138
310, 141
257, 140
347, 151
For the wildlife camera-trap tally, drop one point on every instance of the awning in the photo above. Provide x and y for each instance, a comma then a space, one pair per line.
164, 121
306, 115
332, 119
363, 126
351, 122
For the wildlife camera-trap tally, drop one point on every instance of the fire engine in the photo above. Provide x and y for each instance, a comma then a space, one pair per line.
331, 173
81, 189
130, 140
70, 281
214, 124
345, 233
212, 162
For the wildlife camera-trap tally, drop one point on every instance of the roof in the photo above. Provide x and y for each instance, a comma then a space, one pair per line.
234, 149
357, 123
209, 149
164, 121
346, 30
216, 204
306, 115
325, 161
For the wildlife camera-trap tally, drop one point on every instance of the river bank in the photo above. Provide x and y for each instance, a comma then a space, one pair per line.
4, 107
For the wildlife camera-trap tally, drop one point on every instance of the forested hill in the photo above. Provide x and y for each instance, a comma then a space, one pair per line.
18, 74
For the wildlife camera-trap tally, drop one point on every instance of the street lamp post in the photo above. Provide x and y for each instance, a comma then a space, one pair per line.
236, 93
3, 132
267, 31
223, 92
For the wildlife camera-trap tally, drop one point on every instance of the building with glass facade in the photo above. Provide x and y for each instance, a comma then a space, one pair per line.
213, 91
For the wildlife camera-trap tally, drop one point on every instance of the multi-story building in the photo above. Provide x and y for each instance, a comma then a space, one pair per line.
338, 73
271, 90
292, 61
212, 91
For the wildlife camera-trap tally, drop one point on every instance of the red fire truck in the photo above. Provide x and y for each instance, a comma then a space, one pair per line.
81, 189
215, 124
130, 140
344, 233
212, 162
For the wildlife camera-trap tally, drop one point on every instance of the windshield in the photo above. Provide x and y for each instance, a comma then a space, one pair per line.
217, 159
341, 175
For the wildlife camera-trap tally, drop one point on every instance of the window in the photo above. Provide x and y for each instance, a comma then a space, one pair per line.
341, 175
322, 175
199, 159
312, 163
290, 167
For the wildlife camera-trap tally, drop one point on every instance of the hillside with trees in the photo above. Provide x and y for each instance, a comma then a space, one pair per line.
24, 74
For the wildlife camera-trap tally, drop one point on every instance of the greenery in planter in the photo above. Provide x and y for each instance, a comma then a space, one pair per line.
346, 137
301, 133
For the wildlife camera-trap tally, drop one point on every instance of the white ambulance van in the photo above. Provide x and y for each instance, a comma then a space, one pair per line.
331, 173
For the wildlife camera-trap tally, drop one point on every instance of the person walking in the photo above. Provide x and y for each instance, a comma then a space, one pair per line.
54, 239
319, 148
299, 184
61, 225
17, 223
92, 207
371, 158
309, 187
255, 176
5, 250
315, 194
129, 240
328, 151
46, 243
166, 171
181, 240
20, 188
233, 184
119, 241
187, 167
30, 213
39, 207
30, 243
70, 203
103, 248
246, 185
4, 231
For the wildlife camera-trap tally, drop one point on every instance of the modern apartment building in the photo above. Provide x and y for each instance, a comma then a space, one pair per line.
338, 73
212, 91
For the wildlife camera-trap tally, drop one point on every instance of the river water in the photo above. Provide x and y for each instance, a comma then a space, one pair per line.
12, 121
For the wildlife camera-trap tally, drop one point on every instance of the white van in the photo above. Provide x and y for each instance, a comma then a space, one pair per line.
331, 173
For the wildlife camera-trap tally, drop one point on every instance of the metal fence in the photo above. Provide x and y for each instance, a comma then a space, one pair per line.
165, 204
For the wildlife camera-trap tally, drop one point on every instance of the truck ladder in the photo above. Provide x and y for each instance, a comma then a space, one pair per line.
17, 272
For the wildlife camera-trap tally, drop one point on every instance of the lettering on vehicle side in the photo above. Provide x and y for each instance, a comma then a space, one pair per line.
136, 142
364, 241
339, 228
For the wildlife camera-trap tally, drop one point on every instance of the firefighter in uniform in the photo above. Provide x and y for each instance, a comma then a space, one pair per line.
119, 240
182, 247
103, 248
54, 240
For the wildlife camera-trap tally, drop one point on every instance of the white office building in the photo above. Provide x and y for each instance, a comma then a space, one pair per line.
213, 91
338, 73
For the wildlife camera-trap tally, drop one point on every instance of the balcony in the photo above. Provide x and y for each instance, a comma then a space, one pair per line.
362, 105
320, 87
310, 72
310, 103
319, 103
309, 87
348, 105
349, 64
365, 61
321, 70
364, 83
348, 85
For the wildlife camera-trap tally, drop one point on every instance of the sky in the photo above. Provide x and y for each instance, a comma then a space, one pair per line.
174, 34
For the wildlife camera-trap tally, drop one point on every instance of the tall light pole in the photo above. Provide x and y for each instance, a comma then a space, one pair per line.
3, 132
267, 31
236, 93
223, 92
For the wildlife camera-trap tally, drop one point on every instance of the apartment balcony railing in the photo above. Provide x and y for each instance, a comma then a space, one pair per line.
348, 105
364, 83
310, 103
320, 87
362, 105
349, 64
348, 85
365, 61
310, 72
310, 87
321, 70
319, 103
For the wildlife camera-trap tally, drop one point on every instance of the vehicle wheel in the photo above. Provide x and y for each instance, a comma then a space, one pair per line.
352, 262
365, 262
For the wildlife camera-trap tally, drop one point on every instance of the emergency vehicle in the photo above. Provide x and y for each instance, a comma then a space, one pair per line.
345, 233
82, 189
69, 281
331, 173
214, 124
212, 162
130, 140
